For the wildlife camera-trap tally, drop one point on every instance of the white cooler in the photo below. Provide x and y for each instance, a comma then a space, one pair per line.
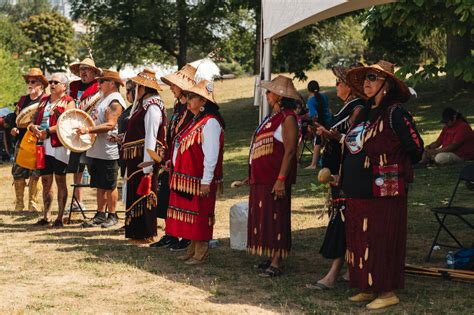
239, 214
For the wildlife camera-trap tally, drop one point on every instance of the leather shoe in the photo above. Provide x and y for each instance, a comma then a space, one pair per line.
379, 303
362, 297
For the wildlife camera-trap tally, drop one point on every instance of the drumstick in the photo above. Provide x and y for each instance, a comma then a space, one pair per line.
236, 184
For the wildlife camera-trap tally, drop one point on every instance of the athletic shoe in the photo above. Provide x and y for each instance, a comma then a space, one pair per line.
180, 246
112, 220
165, 241
98, 219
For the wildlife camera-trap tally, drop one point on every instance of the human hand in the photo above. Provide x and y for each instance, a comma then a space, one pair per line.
82, 130
204, 190
278, 189
14, 132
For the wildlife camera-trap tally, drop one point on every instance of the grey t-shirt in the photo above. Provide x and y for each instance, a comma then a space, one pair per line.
103, 148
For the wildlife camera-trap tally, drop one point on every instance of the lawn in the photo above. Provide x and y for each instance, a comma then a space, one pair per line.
76, 270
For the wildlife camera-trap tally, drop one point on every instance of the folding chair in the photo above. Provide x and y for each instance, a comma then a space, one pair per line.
440, 213
305, 143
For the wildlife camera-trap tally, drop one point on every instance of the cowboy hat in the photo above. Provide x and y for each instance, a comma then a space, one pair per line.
282, 86
184, 78
147, 78
109, 75
356, 78
205, 89
37, 74
88, 62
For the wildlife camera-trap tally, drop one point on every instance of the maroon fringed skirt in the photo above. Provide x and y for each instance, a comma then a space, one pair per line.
269, 222
376, 232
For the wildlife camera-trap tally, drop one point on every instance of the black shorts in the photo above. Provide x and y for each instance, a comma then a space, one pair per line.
75, 165
53, 166
103, 173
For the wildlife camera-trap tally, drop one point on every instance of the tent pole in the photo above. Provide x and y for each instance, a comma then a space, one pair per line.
267, 61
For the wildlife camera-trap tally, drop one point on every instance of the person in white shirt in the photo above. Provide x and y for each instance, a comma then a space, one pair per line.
104, 154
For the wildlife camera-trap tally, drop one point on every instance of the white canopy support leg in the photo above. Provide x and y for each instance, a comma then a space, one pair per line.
267, 64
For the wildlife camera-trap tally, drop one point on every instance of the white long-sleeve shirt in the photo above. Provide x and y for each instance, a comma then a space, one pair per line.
210, 147
153, 120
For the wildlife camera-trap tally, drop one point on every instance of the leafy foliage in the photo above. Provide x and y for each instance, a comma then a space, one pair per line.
23, 9
51, 40
12, 38
11, 82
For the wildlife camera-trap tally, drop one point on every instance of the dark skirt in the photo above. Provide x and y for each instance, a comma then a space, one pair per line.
163, 195
140, 216
269, 222
376, 243
334, 244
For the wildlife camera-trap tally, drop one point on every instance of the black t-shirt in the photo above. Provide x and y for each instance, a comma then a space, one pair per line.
28, 102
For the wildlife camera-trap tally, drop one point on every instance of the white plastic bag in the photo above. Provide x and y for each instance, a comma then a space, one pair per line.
238, 225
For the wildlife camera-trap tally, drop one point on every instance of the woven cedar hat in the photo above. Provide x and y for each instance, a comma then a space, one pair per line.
341, 75
36, 73
204, 89
111, 75
74, 67
282, 86
356, 77
147, 78
184, 78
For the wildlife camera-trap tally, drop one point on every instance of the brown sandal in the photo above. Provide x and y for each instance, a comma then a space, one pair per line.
271, 272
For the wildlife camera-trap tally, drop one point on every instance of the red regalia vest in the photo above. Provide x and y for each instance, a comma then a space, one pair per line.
189, 165
176, 125
383, 147
266, 153
58, 109
89, 98
134, 142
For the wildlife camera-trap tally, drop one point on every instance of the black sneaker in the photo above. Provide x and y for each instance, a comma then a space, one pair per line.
180, 246
98, 219
165, 241
112, 219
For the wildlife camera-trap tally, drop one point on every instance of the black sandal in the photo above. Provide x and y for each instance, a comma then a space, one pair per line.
263, 265
43, 222
271, 272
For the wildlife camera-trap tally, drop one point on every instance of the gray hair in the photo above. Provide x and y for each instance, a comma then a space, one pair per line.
62, 78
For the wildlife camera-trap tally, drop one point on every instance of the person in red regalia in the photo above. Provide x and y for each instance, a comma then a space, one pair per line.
272, 172
85, 93
196, 155
146, 130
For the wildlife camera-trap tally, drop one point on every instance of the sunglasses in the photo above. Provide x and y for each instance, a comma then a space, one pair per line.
102, 81
191, 96
338, 82
53, 82
130, 90
31, 81
372, 77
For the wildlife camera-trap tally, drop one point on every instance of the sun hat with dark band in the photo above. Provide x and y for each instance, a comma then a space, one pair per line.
282, 86
36, 73
204, 89
88, 62
184, 78
356, 77
109, 75
147, 78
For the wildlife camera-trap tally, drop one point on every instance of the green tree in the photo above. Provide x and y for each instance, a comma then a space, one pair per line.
131, 31
23, 9
412, 22
51, 40
12, 38
12, 85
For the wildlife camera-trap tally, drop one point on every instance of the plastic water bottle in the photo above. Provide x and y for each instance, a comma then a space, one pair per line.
85, 177
213, 243
450, 260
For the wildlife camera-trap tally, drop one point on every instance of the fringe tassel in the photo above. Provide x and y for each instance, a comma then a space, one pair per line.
192, 185
262, 146
195, 136
269, 252
137, 209
182, 215
133, 149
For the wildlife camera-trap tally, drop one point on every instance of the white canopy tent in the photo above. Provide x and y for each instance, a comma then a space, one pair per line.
280, 17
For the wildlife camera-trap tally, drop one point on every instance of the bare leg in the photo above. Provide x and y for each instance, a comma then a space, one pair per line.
276, 261
47, 181
112, 198
101, 200
77, 181
314, 162
62, 195
329, 279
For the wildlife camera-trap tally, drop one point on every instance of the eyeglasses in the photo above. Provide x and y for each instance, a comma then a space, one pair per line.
31, 81
85, 68
53, 82
372, 77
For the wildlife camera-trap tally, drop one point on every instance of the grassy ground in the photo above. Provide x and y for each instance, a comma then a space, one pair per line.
75, 270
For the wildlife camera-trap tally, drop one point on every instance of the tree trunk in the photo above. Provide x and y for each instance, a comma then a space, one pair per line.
258, 33
182, 33
458, 48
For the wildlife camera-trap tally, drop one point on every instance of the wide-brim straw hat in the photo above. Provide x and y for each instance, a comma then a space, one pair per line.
147, 78
356, 78
36, 73
282, 86
184, 78
204, 89
88, 62
341, 74
111, 75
